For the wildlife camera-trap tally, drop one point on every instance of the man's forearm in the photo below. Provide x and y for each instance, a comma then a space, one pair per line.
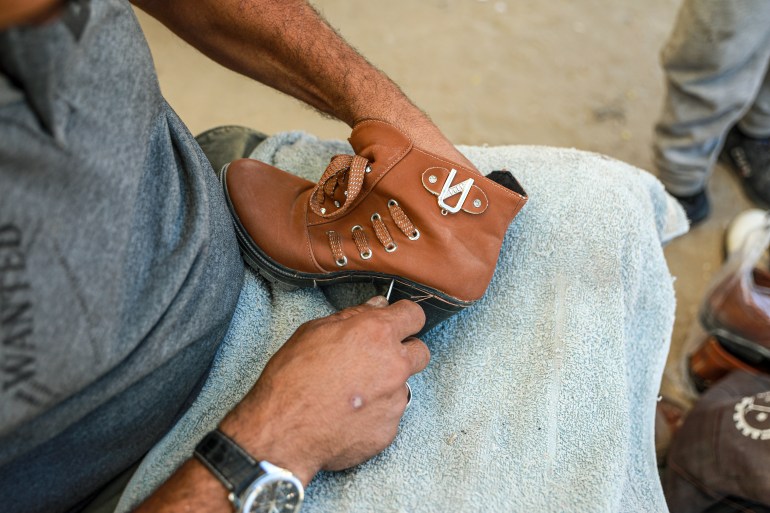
288, 46
191, 488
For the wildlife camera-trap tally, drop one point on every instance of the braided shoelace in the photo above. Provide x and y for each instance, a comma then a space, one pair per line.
342, 170
349, 171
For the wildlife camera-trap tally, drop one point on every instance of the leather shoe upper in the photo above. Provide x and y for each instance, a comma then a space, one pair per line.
394, 209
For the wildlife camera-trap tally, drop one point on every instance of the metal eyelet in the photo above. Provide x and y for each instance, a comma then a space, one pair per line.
356, 227
392, 203
342, 262
390, 248
376, 217
368, 168
444, 212
414, 235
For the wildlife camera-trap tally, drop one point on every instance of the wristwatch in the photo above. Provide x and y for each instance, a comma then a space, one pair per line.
254, 487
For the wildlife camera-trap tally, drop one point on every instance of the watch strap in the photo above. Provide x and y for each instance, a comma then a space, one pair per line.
233, 466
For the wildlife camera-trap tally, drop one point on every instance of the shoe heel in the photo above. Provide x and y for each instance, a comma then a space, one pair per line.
747, 351
437, 309
711, 362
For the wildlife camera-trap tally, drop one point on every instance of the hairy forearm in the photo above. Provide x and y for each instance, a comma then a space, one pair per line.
288, 46
194, 488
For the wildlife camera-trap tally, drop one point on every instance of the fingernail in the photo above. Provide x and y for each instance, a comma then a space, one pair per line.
377, 301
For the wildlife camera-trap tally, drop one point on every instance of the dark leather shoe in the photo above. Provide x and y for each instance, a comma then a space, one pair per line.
750, 158
697, 206
392, 213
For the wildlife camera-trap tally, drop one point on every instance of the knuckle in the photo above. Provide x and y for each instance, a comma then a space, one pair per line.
313, 325
419, 355
412, 310
423, 352
378, 326
304, 328
350, 311
368, 325
387, 328
402, 371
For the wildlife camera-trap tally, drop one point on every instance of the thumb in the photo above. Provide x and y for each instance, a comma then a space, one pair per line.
372, 303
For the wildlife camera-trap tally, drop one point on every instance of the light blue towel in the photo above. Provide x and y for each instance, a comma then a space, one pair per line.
541, 397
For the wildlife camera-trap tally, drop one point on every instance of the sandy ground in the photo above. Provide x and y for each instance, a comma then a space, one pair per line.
580, 73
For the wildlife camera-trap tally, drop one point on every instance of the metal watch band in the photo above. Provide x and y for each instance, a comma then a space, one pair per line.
233, 466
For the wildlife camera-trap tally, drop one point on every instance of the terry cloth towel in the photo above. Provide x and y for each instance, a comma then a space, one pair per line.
541, 397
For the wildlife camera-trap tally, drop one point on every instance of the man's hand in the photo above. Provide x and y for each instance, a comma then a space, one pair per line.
330, 398
333, 395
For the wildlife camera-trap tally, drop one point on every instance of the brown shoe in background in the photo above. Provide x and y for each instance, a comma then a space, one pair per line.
712, 362
736, 310
391, 214
736, 313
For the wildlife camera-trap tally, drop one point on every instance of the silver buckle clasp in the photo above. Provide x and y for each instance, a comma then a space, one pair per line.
449, 190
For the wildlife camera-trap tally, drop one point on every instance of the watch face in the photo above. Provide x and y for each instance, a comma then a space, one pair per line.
274, 494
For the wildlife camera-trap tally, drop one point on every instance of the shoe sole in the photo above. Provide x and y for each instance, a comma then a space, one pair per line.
749, 352
437, 305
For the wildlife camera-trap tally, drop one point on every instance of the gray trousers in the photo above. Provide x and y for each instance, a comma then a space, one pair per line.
716, 71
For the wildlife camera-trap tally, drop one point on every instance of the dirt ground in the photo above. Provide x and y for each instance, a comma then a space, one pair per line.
579, 73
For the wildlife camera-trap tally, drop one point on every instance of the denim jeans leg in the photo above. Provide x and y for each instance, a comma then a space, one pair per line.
224, 144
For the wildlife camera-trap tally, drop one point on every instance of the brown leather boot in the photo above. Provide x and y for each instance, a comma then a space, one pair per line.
392, 214
712, 362
736, 313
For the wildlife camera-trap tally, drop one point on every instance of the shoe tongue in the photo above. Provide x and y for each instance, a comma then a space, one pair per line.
378, 141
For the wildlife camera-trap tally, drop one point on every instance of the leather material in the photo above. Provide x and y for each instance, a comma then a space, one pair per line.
711, 362
233, 466
740, 307
456, 253
272, 206
434, 178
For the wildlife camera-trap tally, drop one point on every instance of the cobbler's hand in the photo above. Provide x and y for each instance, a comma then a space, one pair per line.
333, 395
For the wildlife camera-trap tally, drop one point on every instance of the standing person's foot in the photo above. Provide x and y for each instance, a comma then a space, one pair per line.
750, 158
696, 207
